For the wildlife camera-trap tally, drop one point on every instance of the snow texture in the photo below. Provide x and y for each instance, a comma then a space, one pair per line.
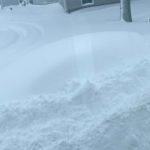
75, 81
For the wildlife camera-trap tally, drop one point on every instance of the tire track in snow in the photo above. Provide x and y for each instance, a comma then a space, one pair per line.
22, 38
7, 38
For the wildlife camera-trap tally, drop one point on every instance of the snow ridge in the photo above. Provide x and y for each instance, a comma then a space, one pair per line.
82, 116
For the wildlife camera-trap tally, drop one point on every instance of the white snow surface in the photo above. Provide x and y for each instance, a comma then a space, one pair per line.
76, 81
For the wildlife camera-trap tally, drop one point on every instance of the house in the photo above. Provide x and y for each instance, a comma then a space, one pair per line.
71, 5
41, 2
5, 3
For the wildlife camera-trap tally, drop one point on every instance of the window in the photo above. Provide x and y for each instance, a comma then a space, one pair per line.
87, 2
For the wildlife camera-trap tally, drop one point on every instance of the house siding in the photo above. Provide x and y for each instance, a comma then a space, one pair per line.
5, 3
72, 5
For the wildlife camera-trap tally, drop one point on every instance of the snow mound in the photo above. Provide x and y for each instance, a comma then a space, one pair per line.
82, 117
130, 130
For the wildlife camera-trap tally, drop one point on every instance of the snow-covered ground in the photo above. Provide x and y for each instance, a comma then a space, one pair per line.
76, 81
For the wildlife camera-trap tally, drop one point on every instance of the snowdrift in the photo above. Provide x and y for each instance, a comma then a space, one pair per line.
94, 76
86, 115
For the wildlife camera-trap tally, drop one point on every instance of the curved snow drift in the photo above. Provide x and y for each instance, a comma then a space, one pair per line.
83, 57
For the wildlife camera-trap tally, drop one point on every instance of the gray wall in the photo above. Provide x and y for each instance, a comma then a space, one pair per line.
5, 3
71, 5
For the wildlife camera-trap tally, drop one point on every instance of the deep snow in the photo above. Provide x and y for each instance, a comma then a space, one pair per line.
110, 114
75, 81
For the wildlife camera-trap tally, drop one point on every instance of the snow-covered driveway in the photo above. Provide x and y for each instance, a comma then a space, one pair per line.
43, 48
86, 75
